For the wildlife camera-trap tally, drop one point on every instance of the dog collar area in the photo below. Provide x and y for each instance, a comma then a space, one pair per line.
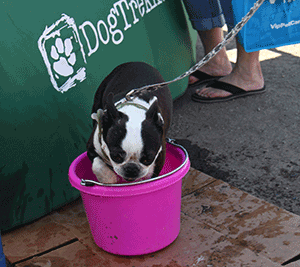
122, 104
89, 183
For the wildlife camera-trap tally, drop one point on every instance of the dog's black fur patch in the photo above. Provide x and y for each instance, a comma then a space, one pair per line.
120, 81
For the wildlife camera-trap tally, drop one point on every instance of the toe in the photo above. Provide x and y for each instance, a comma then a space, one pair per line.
211, 92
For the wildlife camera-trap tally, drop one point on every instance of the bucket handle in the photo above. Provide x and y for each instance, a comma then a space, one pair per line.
90, 183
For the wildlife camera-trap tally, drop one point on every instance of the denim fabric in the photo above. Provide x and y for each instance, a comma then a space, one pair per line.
207, 14
2, 257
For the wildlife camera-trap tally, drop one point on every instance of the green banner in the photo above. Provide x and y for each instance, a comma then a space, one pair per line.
53, 56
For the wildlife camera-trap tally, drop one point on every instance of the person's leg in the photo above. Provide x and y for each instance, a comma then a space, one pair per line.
218, 65
246, 74
207, 18
205, 14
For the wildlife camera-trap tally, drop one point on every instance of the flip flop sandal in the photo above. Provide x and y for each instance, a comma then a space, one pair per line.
235, 91
203, 78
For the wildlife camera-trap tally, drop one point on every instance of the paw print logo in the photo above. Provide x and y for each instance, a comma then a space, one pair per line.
65, 58
63, 54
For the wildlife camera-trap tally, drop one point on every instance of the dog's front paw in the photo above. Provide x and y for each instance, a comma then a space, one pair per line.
104, 174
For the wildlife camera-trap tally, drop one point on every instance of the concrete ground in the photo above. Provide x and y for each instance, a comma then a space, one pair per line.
252, 143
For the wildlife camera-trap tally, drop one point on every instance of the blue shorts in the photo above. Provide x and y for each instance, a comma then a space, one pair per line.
207, 14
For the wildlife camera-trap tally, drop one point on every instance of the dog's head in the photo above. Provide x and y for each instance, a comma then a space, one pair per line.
131, 139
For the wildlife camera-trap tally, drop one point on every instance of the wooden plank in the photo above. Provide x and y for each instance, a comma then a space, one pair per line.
249, 221
34, 238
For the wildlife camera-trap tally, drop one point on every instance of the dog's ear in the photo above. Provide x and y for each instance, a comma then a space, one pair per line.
154, 114
98, 116
111, 108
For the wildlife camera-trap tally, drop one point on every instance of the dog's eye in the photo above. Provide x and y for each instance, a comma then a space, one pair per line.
118, 158
146, 161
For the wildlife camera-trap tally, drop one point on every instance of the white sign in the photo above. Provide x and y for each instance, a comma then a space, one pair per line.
62, 49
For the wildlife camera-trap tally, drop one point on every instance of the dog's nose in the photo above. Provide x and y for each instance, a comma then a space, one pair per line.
132, 171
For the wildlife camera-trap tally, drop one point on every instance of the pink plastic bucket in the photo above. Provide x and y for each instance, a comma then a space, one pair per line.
128, 219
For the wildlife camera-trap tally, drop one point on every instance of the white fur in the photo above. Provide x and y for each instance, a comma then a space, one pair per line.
96, 142
94, 117
103, 173
132, 145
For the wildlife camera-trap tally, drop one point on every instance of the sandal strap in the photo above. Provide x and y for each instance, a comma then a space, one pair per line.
204, 76
226, 87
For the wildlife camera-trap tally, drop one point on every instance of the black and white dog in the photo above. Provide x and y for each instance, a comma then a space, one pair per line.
128, 140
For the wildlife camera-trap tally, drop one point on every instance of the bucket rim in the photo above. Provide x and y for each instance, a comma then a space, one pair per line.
88, 183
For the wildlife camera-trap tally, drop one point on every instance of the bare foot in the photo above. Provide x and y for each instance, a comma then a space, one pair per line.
244, 81
247, 75
217, 66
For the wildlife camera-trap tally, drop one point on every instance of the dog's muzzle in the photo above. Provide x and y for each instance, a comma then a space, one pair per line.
131, 171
